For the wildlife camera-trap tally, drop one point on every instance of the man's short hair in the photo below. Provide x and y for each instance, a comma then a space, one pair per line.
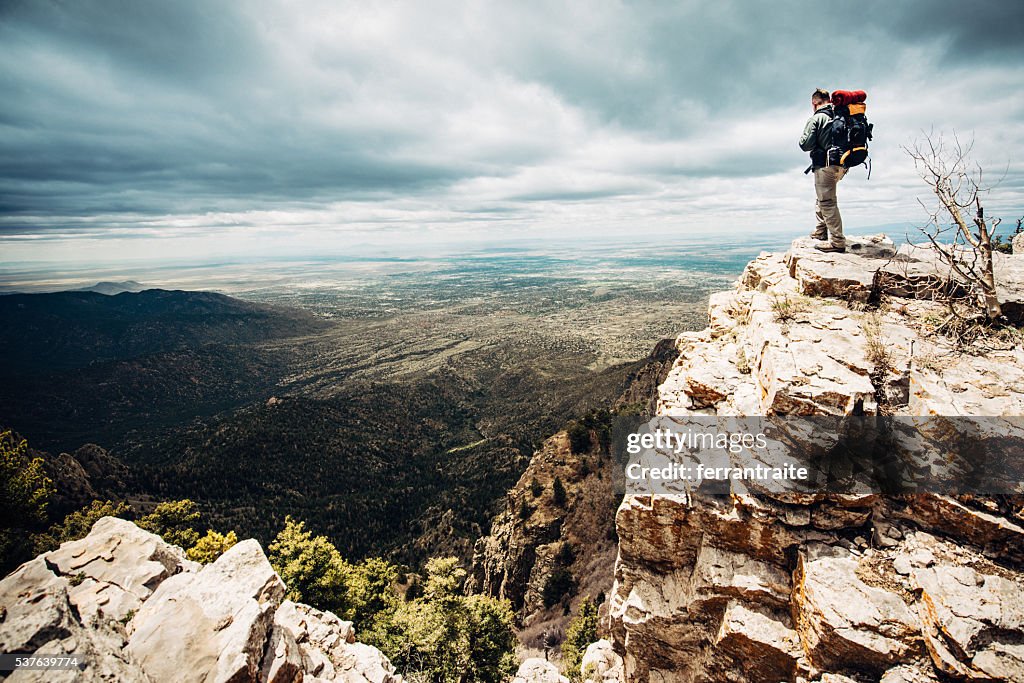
821, 95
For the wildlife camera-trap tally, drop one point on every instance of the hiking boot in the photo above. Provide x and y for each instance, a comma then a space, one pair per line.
830, 248
820, 236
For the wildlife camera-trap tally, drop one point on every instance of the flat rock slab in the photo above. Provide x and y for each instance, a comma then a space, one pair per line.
119, 566
843, 619
973, 621
912, 271
831, 274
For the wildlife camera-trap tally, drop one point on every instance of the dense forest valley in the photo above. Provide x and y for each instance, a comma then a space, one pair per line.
392, 418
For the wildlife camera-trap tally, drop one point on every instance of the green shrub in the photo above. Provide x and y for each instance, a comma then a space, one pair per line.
558, 492
24, 492
581, 633
311, 568
535, 488
175, 521
579, 437
211, 546
445, 636
315, 573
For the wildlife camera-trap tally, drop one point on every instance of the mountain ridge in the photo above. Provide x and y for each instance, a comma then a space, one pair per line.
61, 331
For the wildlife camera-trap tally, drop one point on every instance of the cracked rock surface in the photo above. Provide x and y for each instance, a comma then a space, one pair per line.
748, 586
137, 610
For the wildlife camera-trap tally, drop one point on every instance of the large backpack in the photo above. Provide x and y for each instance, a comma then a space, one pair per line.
850, 129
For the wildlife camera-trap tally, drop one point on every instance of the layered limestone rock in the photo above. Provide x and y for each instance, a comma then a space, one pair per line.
136, 609
757, 586
794, 338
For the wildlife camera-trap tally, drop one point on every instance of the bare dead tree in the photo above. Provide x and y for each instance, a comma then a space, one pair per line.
961, 240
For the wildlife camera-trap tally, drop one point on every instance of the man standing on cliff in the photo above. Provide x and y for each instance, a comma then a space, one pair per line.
816, 139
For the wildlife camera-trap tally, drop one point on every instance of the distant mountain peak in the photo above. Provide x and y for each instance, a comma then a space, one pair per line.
111, 287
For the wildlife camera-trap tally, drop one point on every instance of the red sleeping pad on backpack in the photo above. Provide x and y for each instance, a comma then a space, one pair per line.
842, 98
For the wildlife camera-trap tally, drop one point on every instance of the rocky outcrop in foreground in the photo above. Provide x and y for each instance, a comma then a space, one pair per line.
814, 587
136, 609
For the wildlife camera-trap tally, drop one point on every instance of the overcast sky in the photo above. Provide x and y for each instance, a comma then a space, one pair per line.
140, 129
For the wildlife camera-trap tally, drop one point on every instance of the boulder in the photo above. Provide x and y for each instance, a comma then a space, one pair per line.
326, 646
37, 617
36, 609
909, 673
601, 664
972, 621
537, 670
225, 621
718, 572
211, 624
768, 272
360, 663
759, 643
1009, 275
283, 660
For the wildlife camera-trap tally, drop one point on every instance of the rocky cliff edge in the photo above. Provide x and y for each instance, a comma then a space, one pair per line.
829, 588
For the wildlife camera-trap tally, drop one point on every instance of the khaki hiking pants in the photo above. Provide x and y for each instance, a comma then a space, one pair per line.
826, 208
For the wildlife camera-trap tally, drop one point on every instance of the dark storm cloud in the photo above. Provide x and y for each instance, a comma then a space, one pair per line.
184, 42
978, 31
126, 106
188, 107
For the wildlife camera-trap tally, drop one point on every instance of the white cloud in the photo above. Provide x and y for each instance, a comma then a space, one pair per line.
255, 126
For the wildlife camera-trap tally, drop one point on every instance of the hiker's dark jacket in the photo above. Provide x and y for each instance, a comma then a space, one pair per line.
817, 135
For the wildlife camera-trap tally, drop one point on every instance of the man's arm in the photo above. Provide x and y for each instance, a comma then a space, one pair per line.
810, 136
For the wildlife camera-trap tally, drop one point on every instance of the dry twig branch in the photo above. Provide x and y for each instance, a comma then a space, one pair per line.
961, 240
